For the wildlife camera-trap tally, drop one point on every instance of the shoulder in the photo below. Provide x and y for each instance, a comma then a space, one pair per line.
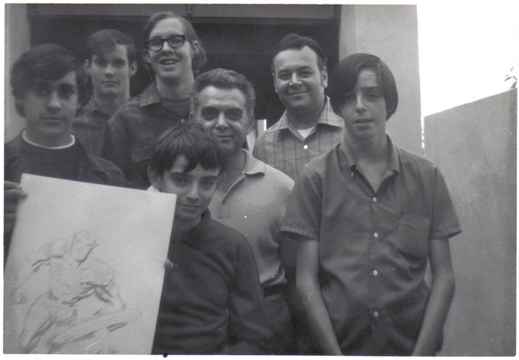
277, 177
112, 174
131, 108
222, 237
323, 162
415, 163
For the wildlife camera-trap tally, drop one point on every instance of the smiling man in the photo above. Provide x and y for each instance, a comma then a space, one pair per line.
46, 82
211, 298
250, 195
110, 62
308, 127
369, 217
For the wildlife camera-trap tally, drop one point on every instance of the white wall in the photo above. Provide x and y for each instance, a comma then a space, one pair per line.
17, 41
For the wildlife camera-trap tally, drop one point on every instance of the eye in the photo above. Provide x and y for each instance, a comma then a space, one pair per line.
284, 75
373, 94
100, 62
66, 91
207, 183
180, 179
234, 114
305, 73
119, 63
42, 90
209, 113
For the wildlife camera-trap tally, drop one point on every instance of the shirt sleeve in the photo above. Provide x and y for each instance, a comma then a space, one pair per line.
445, 222
303, 212
248, 328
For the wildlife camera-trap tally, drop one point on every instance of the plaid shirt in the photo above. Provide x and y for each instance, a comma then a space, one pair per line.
91, 127
282, 147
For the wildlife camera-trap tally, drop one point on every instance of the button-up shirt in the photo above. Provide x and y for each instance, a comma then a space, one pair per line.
283, 147
254, 205
91, 128
135, 127
373, 246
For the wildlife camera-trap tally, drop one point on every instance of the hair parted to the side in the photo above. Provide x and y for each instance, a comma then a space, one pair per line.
44, 64
199, 53
104, 41
188, 139
296, 41
345, 75
226, 79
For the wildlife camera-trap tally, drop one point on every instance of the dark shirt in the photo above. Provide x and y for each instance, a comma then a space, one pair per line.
71, 164
211, 298
91, 128
135, 127
373, 246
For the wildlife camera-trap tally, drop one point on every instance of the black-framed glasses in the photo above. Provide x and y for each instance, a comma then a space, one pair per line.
174, 41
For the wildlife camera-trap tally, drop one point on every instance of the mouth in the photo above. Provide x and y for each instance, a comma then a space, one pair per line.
363, 121
168, 61
51, 120
189, 208
110, 83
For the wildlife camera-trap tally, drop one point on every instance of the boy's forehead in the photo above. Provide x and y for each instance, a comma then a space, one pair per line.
181, 164
69, 78
110, 50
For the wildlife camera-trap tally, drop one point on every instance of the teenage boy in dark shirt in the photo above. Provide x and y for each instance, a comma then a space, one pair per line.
211, 298
47, 82
369, 216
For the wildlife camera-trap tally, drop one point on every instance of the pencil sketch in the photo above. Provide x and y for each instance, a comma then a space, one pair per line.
78, 303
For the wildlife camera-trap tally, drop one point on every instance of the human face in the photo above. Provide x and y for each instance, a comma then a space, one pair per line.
194, 190
169, 63
49, 108
224, 114
364, 109
111, 72
298, 81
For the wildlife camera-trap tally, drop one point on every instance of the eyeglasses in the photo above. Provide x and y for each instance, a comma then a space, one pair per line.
174, 41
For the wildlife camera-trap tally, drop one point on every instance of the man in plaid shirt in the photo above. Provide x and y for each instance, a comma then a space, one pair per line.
308, 127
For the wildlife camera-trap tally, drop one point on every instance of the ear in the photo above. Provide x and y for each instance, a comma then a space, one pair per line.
154, 179
18, 104
86, 66
133, 68
274, 82
324, 76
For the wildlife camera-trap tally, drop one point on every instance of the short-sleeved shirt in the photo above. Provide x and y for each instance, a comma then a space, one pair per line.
135, 127
284, 148
91, 127
254, 205
211, 297
373, 246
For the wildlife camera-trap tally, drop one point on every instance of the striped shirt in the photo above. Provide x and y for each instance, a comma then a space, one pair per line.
283, 147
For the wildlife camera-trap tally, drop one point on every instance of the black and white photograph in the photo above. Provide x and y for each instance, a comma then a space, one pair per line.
245, 178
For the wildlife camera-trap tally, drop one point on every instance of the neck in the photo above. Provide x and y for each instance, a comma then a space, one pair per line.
304, 118
109, 104
232, 169
372, 149
183, 226
175, 89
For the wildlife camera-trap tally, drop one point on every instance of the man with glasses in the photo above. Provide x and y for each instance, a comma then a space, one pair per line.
173, 54
110, 62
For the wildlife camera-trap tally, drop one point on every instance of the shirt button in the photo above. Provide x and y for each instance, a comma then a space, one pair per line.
244, 216
374, 198
375, 314
375, 272
375, 235
305, 146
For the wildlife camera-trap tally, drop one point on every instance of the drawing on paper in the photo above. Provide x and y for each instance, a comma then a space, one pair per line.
77, 305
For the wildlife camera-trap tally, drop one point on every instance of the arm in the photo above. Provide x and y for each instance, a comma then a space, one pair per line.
309, 291
248, 328
13, 194
442, 292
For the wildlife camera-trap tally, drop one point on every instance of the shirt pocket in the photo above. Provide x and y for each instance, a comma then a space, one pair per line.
413, 235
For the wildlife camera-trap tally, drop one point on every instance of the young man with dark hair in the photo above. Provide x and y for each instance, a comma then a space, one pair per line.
250, 195
110, 62
46, 82
211, 298
368, 217
308, 127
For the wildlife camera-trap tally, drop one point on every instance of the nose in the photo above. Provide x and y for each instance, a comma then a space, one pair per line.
294, 79
192, 193
221, 121
54, 102
359, 103
165, 46
109, 70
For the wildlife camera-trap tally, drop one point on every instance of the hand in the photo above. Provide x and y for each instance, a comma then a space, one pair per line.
13, 194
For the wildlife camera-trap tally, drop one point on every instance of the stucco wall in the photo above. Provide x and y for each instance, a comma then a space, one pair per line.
390, 32
17, 41
474, 145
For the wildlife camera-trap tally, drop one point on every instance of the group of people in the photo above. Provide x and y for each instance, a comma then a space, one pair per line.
314, 242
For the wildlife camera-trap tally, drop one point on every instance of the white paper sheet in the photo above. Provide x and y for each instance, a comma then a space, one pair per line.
85, 268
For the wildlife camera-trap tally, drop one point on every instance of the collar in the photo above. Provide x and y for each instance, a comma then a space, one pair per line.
91, 107
253, 166
149, 96
327, 117
60, 147
350, 160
